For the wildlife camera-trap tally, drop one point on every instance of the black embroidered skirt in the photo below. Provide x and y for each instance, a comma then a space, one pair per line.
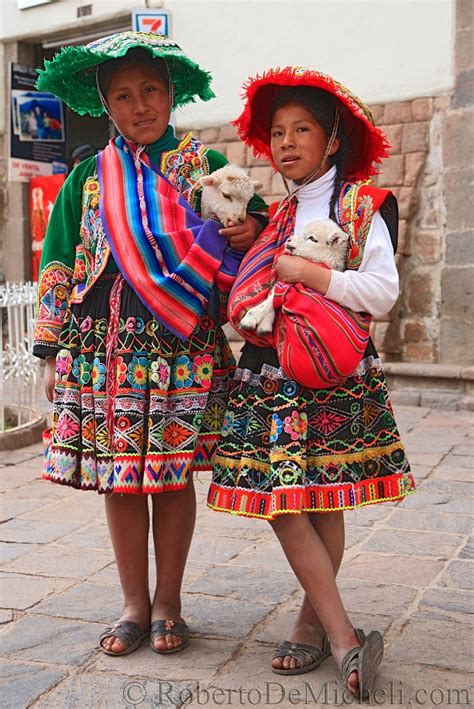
288, 449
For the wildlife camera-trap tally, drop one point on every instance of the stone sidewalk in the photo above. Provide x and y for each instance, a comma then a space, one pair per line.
407, 572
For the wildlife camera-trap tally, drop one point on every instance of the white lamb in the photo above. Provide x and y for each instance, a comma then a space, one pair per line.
321, 241
226, 193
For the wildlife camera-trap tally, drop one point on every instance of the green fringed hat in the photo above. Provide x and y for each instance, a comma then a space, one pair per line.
71, 74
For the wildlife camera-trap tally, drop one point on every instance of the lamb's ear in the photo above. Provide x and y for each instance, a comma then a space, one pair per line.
337, 237
257, 185
209, 181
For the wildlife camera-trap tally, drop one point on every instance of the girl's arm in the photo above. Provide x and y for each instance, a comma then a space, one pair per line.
295, 269
242, 236
373, 288
50, 377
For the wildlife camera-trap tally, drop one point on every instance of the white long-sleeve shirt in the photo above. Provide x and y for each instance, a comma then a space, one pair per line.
374, 287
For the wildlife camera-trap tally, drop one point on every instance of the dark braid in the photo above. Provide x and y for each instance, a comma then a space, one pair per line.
338, 179
322, 107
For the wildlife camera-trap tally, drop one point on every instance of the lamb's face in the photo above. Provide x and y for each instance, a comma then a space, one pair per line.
226, 193
236, 191
321, 241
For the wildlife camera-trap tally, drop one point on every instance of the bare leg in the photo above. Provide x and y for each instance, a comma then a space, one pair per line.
174, 516
128, 522
308, 628
315, 572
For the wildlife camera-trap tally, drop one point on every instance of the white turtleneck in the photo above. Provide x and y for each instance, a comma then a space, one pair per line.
374, 287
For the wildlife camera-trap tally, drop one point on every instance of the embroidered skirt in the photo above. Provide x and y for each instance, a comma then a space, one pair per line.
136, 417
288, 449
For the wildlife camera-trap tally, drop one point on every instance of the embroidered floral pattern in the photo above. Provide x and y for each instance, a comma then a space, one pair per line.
88, 430
202, 367
174, 434
227, 423
296, 425
53, 294
138, 372
184, 165
122, 369
327, 422
82, 369
310, 450
213, 416
160, 372
98, 374
66, 427
63, 364
276, 427
183, 372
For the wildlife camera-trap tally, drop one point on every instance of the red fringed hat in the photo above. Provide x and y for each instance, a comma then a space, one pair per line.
367, 144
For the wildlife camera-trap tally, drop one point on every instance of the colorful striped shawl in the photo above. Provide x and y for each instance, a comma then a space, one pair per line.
165, 252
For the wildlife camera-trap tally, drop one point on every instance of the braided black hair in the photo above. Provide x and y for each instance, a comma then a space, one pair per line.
322, 107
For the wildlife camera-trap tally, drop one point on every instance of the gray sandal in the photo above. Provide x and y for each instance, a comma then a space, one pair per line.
130, 633
364, 660
308, 656
169, 627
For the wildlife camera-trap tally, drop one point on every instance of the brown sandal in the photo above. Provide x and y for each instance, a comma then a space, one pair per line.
169, 627
364, 660
308, 656
130, 633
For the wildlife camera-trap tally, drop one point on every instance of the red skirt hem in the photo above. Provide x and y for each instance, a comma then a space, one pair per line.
312, 498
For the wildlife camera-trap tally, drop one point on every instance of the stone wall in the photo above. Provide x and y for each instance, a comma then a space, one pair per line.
416, 173
456, 343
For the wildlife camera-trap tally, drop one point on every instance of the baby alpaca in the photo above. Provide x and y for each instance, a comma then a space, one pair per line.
321, 241
226, 193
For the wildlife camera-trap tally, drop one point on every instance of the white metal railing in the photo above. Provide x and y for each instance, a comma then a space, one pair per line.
20, 381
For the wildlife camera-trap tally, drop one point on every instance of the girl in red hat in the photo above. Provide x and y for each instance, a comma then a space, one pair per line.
290, 452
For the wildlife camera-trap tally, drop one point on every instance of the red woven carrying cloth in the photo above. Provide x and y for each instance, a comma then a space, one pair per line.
319, 343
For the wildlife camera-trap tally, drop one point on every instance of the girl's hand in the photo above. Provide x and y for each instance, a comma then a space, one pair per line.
294, 269
49, 377
242, 236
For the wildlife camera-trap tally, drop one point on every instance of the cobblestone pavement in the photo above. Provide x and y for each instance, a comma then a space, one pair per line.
407, 572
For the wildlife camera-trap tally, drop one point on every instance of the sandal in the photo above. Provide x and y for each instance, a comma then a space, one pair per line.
307, 652
308, 656
364, 660
169, 627
130, 633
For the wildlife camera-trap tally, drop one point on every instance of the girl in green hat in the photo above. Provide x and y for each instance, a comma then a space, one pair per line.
131, 291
